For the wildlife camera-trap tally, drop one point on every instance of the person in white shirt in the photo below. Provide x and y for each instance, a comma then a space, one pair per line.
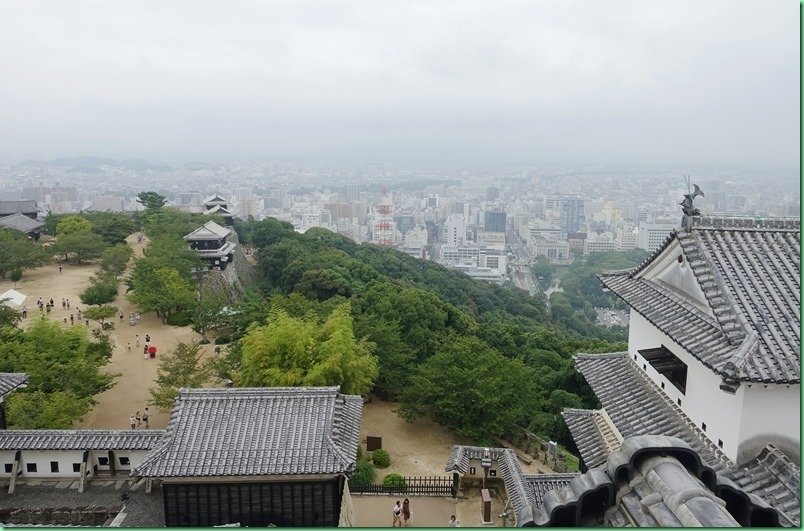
397, 514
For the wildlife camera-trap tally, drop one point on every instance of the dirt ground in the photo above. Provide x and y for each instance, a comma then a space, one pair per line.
419, 448
137, 373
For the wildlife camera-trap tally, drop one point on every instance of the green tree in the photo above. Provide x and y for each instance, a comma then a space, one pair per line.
291, 351
19, 253
162, 291
114, 260
63, 367
112, 227
151, 200
40, 410
544, 271
181, 367
206, 313
82, 246
99, 293
473, 390
73, 225
100, 313
8, 315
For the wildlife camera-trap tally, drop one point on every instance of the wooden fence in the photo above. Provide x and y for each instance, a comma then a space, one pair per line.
537, 447
413, 486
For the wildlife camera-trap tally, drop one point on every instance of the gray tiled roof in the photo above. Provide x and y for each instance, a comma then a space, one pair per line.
539, 485
749, 272
773, 477
652, 481
20, 222
79, 439
208, 231
258, 431
506, 459
22, 207
593, 435
10, 381
637, 406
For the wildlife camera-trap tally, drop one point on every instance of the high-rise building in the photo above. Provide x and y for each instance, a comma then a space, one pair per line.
383, 229
492, 194
572, 216
494, 221
456, 229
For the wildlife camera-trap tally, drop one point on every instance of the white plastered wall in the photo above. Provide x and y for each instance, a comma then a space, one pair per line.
771, 414
703, 401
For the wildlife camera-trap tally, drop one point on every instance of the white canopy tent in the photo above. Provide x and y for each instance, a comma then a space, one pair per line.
12, 298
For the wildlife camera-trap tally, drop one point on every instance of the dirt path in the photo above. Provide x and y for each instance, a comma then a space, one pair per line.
420, 448
137, 373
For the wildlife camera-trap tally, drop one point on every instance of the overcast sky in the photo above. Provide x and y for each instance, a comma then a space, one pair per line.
593, 81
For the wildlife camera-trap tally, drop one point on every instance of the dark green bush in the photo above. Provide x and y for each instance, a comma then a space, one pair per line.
381, 458
394, 480
364, 473
359, 452
180, 318
222, 340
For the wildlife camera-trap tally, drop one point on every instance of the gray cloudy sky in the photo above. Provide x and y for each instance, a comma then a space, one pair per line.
646, 81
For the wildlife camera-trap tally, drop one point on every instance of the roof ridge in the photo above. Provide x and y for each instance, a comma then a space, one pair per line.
741, 223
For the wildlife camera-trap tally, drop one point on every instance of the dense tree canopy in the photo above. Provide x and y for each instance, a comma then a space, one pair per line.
19, 253
63, 368
291, 351
80, 246
472, 389
73, 225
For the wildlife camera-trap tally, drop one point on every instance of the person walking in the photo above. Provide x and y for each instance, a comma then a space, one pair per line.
133, 421
59, 269
406, 513
453, 522
63, 304
121, 317
397, 514
147, 338
137, 416
24, 312
136, 340
128, 346
145, 417
78, 310
68, 303
72, 320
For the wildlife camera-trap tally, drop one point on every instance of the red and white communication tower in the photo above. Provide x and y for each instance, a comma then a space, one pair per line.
383, 228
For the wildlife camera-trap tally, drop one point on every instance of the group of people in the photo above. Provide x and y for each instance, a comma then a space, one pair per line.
47, 306
401, 514
136, 420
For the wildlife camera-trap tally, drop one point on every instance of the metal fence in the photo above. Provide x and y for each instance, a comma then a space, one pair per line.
413, 486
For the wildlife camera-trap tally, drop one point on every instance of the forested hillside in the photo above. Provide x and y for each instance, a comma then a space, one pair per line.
479, 358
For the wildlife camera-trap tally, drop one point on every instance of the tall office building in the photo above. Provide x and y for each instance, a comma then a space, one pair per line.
456, 229
494, 221
492, 194
572, 216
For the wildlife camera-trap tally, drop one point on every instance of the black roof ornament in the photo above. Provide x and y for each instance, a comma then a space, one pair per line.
687, 206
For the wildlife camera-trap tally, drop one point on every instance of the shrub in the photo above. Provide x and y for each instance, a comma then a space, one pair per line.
180, 318
381, 458
222, 340
359, 452
364, 473
394, 480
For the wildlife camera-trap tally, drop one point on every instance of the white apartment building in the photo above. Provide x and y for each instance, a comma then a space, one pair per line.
626, 238
455, 229
599, 243
652, 235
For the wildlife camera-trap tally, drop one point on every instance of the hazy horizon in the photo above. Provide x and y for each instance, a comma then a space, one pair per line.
556, 82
